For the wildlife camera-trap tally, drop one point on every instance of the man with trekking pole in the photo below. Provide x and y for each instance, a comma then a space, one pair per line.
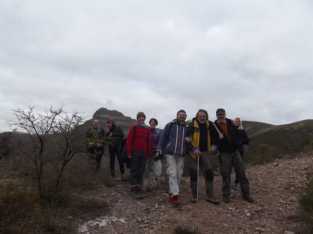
202, 136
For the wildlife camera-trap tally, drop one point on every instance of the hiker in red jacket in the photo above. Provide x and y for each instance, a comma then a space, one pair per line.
138, 150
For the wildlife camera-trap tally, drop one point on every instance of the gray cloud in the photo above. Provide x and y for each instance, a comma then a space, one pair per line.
251, 57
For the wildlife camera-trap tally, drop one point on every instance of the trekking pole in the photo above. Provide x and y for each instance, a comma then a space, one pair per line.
198, 166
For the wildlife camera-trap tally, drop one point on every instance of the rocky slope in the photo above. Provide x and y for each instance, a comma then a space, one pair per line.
275, 187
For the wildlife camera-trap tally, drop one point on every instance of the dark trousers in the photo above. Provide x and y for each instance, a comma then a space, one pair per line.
242, 158
137, 169
97, 151
207, 169
229, 161
115, 152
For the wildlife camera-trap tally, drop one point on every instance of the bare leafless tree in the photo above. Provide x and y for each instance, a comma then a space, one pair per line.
64, 127
42, 125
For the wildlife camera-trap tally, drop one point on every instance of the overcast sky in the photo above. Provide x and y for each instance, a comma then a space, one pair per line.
252, 57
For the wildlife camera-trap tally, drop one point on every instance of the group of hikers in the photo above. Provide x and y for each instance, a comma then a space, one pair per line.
200, 145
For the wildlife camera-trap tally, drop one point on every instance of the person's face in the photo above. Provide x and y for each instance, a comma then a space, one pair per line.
109, 125
181, 116
221, 115
152, 124
141, 119
237, 122
202, 117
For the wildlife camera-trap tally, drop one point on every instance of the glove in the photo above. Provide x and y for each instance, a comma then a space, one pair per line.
195, 153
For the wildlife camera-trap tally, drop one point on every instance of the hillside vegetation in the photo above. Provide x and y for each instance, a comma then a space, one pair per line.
269, 142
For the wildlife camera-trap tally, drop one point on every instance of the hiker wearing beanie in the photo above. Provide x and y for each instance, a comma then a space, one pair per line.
154, 164
138, 150
173, 146
242, 142
203, 136
229, 156
115, 135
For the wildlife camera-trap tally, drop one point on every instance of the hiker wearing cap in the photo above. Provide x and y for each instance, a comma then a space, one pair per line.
115, 135
95, 141
203, 137
138, 150
229, 156
173, 146
154, 164
242, 142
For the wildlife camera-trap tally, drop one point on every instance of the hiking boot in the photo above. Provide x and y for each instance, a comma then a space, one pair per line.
173, 199
213, 200
194, 200
248, 199
226, 199
123, 177
133, 188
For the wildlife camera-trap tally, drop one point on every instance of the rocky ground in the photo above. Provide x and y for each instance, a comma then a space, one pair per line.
274, 186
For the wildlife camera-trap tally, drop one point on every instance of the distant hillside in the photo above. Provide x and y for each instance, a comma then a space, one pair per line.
273, 141
255, 128
121, 120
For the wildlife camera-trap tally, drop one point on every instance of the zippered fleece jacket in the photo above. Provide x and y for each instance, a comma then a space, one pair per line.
173, 139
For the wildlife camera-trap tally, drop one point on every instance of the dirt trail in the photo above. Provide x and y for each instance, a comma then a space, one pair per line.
275, 187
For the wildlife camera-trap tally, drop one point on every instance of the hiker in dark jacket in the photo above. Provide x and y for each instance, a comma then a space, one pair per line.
138, 150
229, 156
173, 146
242, 139
115, 135
95, 141
242, 142
203, 136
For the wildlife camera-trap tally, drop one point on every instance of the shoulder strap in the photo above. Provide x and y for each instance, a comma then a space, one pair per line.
220, 134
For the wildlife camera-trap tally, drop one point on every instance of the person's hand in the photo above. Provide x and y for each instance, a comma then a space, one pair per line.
214, 149
196, 151
188, 139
